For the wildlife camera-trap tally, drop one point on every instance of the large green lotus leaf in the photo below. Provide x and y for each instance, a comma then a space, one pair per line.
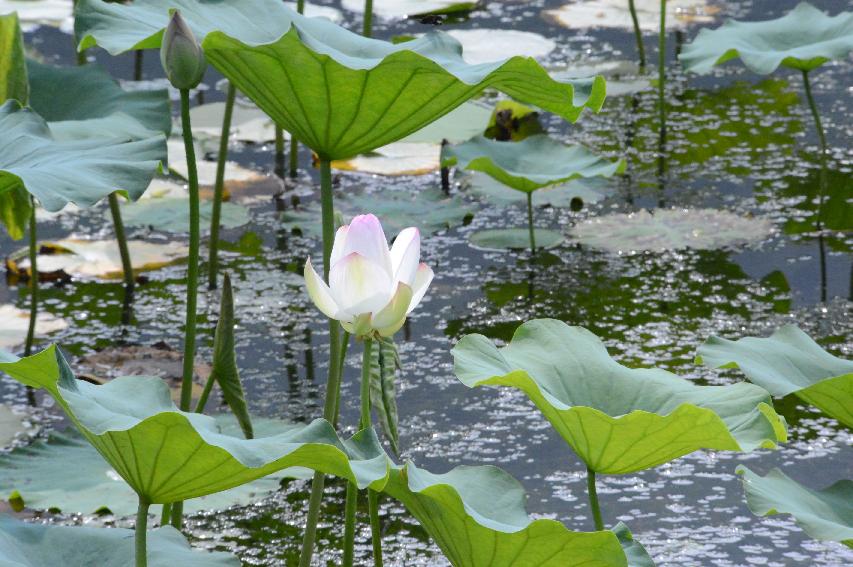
75, 99
430, 210
532, 163
77, 171
618, 419
167, 455
39, 473
477, 517
823, 514
37, 545
788, 362
804, 39
353, 94
172, 214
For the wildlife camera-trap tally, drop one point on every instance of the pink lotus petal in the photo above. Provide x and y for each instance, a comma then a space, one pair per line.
366, 237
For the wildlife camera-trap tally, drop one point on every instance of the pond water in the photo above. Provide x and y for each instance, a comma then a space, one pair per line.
650, 308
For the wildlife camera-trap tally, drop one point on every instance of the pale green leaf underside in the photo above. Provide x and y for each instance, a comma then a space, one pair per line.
477, 517
533, 163
617, 419
514, 238
172, 214
803, 39
338, 92
788, 362
36, 545
77, 171
167, 455
561, 195
823, 514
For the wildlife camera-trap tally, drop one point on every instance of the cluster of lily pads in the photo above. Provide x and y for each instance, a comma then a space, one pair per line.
345, 95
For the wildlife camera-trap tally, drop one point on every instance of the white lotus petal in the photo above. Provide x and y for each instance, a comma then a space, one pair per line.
393, 315
319, 292
359, 285
423, 278
339, 244
406, 255
366, 237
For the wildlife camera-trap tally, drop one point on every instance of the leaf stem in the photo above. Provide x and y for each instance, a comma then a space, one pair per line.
279, 152
141, 533
662, 104
375, 526
333, 382
822, 183
121, 238
349, 524
592, 493
342, 361
34, 279
219, 187
367, 29
192, 276
638, 34
530, 223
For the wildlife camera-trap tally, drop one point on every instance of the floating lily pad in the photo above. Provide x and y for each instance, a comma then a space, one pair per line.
13, 332
167, 455
617, 419
623, 77
39, 473
561, 195
583, 14
532, 163
248, 122
173, 214
823, 514
234, 173
805, 38
788, 362
35, 545
487, 45
458, 125
71, 257
430, 210
35, 13
165, 189
514, 238
11, 424
670, 229
397, 9
58, 172
477, 517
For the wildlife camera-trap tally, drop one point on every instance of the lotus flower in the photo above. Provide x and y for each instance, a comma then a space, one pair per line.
371, 288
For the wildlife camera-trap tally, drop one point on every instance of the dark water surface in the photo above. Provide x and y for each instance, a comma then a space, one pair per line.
739, 141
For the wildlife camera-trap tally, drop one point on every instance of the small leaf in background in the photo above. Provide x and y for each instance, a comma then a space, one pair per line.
225, 370
383, 397
13, 69
513, 121
15, 211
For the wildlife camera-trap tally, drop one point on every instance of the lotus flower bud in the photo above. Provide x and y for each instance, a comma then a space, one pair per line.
181, 55
371, 288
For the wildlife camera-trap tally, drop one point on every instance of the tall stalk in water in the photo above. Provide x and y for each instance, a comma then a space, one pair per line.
219, 187
638, 35
822, 183
662, 103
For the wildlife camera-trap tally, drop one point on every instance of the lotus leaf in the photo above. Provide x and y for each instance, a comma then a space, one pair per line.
487, 45
617, 419
313, 10
248, 122
823, 514
788, 362
15, 322
430, 210
172, 214
394, 9
532, 163
477, 517
560, 195
85, 101
39, 472
167, 455
670, 229
803, 39
78, 171
582, 14
234, 173
11, 424
70, 257
514, 238
36, 545
33, 13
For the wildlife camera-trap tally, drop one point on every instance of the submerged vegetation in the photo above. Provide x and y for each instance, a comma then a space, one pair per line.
597, 326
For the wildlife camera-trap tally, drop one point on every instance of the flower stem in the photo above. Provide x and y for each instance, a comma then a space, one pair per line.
219, 188
822, 183
349, 524
121, 238
333, 382
530, 224
367, 29
366, 421
278, 168
593, 499
34, 280
375, 526
662, 104
192, 276
365, 385
638, 34
141, 533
